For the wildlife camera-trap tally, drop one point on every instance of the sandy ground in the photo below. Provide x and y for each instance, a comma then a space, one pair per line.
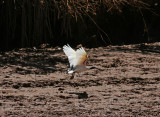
34, 82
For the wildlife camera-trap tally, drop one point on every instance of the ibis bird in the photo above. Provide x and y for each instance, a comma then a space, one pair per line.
77, 59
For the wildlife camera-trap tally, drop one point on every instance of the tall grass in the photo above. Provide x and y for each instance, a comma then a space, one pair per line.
27, 23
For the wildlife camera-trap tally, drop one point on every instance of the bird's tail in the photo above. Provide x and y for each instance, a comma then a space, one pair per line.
70, 71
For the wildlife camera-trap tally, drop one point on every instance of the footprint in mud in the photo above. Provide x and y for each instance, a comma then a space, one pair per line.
80, 95
17, 85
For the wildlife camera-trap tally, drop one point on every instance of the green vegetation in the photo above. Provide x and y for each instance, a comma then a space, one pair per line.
27, 23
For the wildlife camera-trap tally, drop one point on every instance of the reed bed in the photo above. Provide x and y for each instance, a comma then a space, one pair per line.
28, 23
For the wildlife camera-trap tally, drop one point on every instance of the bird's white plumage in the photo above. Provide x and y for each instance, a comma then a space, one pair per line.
77, 59
70, 53
81, 55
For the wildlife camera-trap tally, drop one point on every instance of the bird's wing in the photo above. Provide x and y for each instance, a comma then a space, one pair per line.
81, 56
71, 54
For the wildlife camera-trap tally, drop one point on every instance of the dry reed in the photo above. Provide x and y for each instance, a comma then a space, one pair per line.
28, 23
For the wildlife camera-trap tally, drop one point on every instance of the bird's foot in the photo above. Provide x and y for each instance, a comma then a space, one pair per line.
72, 76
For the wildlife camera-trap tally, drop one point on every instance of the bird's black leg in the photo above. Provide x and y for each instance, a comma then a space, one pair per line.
72, 76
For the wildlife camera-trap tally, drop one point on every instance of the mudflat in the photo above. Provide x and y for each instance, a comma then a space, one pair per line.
34, 82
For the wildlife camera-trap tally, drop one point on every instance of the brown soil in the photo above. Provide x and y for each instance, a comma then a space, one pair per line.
34, 82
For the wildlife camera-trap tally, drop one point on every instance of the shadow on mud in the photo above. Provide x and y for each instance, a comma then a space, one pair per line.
140, 48
35, 61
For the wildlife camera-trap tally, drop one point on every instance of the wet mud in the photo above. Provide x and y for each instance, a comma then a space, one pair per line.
126, 82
